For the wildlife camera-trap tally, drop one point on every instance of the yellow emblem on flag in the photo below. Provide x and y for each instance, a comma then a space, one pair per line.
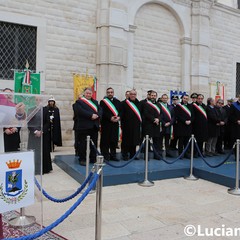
80, 82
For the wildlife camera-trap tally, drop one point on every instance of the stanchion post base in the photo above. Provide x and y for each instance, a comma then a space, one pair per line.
146, 183
191, 177
234, 191
22, 221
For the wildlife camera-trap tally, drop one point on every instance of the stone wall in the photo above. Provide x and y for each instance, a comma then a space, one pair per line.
160, 44
70, 46
224, 47
157, 50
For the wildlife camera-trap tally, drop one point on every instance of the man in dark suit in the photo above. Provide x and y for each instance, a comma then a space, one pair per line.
151, 121
214, 122
200, 124
234, 119
167, 120
184, 118
88, 113
109, 125
174, 139
227, 130
130, 122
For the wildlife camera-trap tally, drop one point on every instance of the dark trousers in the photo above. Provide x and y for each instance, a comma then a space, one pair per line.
182, 143
219, 145
82, 144
105, 150
76, 144
173, 143
167, 139
109, 141
131, 149
157, 147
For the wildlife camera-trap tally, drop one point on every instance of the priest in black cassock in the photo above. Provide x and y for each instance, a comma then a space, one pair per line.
130, 122
109, 125
53, 115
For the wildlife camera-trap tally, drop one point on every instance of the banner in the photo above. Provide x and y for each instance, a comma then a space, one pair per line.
176, 93
16, 180
28, 83
81, 81
217, 90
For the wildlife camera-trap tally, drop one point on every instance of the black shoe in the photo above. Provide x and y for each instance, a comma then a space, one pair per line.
114, 159
208, 154
82, 163
168, 155
125, 158
93, 160
196, 155
136, 158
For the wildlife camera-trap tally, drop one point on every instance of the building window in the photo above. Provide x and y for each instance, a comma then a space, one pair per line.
237, 79
18, 43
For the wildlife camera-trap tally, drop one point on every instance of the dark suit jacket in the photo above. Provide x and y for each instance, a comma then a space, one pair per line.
84, 114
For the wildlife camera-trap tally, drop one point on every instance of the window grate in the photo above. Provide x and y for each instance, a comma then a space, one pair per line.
237, 79
17, 44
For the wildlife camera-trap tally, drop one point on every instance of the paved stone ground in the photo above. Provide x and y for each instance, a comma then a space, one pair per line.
131, 212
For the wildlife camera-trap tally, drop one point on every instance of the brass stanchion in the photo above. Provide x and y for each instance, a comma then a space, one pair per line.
236, 190
191, 176
146, 182
98, 219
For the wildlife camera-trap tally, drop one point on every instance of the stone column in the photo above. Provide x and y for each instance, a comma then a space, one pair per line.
200, 46
186, 63
112, 41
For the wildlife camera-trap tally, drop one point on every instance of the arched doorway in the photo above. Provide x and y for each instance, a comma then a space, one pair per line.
157, 60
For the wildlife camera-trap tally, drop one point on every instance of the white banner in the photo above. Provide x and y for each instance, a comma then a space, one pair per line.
16, 180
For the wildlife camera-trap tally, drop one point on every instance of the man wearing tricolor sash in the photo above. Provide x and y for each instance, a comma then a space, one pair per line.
214, 120
200, 124
167, 120
109, 125
151, 121
130, 122
88, 113
234, 119
184, 118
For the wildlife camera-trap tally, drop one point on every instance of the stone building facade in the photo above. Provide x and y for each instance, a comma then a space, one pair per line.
143, 44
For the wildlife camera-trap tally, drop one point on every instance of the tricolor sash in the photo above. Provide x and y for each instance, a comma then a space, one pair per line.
90, 103
237, 106
154, 106
185, 109
111, 106
167, 111
135, 109
200, 109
